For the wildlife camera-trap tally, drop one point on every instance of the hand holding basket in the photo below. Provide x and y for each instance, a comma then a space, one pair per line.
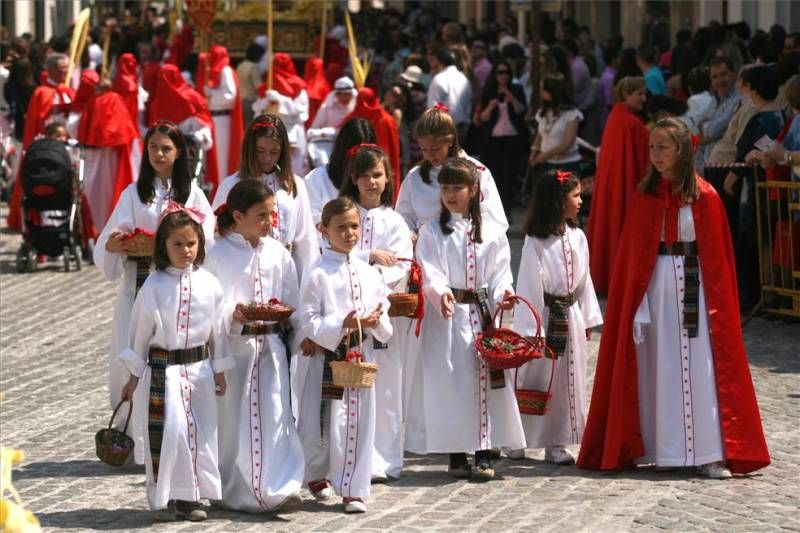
503, 348
140, 243
353, 372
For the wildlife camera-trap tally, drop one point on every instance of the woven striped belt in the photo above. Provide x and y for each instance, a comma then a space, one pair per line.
159, 360
480, 298
260, 329
558, 321
691, 287
142, 270
220, 112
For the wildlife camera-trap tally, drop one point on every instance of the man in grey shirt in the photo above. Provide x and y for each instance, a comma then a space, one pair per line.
726, 100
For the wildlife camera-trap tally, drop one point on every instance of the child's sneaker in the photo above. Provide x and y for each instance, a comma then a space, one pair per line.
354, 505
483, 471
320, 489
558, 455
167, 514
191, 511
716, 470
380, 477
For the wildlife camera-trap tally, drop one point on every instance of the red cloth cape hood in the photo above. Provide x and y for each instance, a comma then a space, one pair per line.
318, 87
623, 161
612, 439
368, 107
174, 100
218, 59
284, 77
85, 92
126, 84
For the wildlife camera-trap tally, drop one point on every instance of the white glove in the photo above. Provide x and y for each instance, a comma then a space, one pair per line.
638, 334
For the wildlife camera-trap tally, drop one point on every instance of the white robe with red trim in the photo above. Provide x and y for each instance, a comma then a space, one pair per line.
261, 457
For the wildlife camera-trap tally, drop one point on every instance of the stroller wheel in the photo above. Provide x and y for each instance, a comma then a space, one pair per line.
76, 253
22, 260
32, 262
66, 256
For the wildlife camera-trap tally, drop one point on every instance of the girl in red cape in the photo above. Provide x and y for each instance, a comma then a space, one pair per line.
666, 391
368, 107
622, 163
221, 87
318, 87
176, 102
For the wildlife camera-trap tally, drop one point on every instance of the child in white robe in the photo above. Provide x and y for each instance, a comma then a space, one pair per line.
385, 240
458, 404
339, 291
418, 200
554, 277
266, 156
261, 457
164, 176
177, 349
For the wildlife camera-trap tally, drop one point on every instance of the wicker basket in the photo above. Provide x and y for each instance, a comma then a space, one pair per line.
532, 401
403, 304
113, 446
141, 243
272, 312
503, 348
354, 373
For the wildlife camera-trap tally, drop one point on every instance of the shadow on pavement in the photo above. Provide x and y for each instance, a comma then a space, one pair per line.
77, 468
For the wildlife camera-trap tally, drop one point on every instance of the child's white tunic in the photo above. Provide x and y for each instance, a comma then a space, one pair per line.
321, 190
678, 407
557, 265
294, 227
342, 452
382, 228
261, 458
128, 214
175, 310
419, 202
452, 407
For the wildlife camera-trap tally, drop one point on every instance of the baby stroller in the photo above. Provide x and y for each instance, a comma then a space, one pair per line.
51, 208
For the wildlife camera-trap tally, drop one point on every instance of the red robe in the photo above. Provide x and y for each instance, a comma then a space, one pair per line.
368, 107
105, 123
218, 59
623, 161
39, 110
126, 84
612, 439
318, 87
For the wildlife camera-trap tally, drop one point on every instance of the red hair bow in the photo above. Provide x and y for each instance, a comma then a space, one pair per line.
353, 150
221, 209
174, 207
441, 107
695, 142
562, 176
262, 124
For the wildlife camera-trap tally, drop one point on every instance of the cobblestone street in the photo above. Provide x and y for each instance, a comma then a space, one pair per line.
54, 335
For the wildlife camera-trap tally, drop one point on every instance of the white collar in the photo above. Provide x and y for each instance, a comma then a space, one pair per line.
179, 271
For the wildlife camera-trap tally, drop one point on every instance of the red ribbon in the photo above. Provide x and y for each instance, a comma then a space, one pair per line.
415, 280
353, 150
174, 207
221, 209
262, 124
695, 142
563, 175
441, 107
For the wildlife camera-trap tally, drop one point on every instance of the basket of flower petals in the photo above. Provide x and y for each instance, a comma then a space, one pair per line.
140, 243
353, 372
503, 348
273, 311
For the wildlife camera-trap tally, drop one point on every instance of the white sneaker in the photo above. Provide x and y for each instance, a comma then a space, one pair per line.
320, 489
716, 470
559, 455
514, 454
379, 477
354, 505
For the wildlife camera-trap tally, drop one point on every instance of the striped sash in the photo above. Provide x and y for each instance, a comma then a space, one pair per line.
159, 360
691, 289
480, 298
558, 321
142, 271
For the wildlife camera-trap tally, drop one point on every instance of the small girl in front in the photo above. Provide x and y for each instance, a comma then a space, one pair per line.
385, 239
177, 348
267, 157
554, 278
458, 404
668, 392
261, 458
339, 291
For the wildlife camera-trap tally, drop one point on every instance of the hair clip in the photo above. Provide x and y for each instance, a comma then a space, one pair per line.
353, 150
262, 124
562, 176
221, 209
438, 106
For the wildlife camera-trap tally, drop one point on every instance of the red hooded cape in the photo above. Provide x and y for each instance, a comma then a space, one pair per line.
612, 439
39, 110
622, 163
218, 59
284, 77
318, 87
105, 123
126, 84
85, 92
368, 107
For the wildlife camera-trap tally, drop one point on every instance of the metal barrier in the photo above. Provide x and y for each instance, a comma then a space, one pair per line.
778, 226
